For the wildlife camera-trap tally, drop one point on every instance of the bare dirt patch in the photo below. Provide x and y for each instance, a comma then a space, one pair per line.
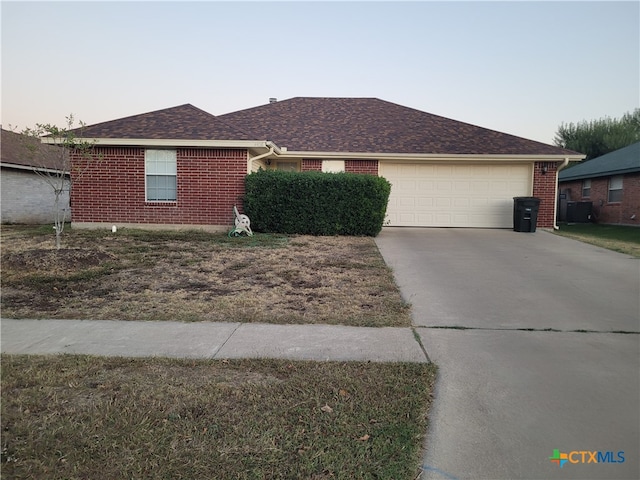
63, 261
192, 276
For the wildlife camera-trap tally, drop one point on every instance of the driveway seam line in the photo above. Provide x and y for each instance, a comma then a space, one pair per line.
524, 329
420, 344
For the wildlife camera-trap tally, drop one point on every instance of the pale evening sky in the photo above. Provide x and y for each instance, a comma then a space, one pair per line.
517, 67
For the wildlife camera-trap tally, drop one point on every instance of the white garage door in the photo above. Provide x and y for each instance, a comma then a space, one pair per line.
455, 195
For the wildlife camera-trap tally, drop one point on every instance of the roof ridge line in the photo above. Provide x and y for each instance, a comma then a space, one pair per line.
142, 114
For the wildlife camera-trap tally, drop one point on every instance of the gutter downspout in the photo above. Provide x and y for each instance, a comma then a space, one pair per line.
270, 152
555, 210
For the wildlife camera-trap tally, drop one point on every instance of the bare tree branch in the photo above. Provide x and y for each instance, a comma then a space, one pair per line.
55, 167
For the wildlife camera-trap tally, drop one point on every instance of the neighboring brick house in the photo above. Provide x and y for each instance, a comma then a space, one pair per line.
610, 182
27, 198
183, 167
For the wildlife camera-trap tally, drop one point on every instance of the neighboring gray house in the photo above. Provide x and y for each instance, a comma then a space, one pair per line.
610, 183
27, 198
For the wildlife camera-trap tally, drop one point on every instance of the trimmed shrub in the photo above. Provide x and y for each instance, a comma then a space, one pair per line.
315, 203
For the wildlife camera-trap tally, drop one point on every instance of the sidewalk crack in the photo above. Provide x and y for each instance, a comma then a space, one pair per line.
215, 355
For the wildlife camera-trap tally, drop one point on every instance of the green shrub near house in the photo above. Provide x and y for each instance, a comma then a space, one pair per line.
315, 203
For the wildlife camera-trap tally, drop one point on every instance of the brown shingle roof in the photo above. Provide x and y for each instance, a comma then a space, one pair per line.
184, 122
370, 125
309, 124
18, 149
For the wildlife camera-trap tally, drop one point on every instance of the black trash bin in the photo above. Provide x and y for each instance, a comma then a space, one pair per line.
525, 213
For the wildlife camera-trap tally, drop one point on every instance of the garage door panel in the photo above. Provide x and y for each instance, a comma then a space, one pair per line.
407, 186
461, 195
461, 202
478, 202
443, 218
461, 187
407, 218
521, 185
425, 185
499, 187
444, 170
477, 186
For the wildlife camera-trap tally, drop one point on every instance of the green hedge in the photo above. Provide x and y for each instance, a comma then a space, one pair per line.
315, 203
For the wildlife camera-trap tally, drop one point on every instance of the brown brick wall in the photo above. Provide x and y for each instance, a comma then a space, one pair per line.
544, 188
630, 205
603, 211
350, 166
361, 166
210, 182
311, 165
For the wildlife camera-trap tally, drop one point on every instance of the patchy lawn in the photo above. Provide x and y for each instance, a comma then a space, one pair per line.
618, 238
80, 417
197, 276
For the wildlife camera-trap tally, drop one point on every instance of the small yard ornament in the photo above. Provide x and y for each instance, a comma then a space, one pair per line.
242, 223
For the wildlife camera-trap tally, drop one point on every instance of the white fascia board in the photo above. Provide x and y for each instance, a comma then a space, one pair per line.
168, 142
430, 157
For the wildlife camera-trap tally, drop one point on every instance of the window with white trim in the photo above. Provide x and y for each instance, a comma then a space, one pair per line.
586, 187
161, 175
615, 189
333, 166
287, 166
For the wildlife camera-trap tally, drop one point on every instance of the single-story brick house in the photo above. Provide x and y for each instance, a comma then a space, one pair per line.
185, 167
27, 198
611, 182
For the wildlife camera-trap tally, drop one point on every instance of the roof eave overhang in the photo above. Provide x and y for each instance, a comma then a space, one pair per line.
31, 168
417, 157
170, 142
260, 146
609, 173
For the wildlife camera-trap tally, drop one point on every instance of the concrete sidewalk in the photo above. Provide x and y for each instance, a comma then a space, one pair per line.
210, 340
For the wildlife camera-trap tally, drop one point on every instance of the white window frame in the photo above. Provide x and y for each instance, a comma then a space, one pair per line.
615, 188
586, 187
333, 166
161, 163
288, 166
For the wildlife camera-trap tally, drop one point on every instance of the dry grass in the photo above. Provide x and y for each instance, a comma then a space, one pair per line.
195, 276
79, 417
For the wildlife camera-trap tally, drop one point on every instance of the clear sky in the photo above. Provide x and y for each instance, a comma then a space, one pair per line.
517, 67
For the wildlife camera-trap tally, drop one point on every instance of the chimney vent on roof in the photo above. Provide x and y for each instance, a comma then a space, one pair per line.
273, 100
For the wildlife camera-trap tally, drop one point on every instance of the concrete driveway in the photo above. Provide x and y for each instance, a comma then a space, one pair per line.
537, 341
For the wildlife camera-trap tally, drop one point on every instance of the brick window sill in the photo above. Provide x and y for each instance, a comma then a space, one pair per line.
160, 204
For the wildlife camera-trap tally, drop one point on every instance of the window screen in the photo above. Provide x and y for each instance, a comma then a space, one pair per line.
615, 189
161, 173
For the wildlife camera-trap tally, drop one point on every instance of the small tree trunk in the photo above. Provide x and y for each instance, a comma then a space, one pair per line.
58, 219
